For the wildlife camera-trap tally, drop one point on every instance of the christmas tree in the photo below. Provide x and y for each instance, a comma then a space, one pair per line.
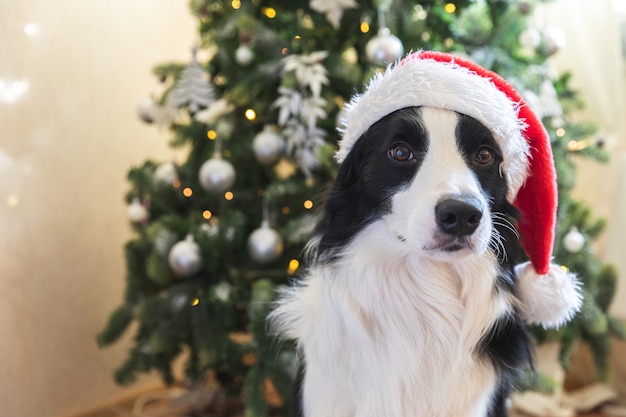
257, 111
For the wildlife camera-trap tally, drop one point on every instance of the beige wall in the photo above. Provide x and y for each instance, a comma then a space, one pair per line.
65, 149
593, 55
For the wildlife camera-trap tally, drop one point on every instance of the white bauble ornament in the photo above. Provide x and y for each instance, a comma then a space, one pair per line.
530, 38
268, 146
137, 212
573, 241
552, 40
244, 55
222, 291
384, 48
216, 175
265, 244
148, 110
166, 173
185, 258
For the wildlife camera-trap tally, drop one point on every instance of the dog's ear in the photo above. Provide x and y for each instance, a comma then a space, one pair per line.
350, 168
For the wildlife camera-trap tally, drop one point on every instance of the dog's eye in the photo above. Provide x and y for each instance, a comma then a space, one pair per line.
401, 152
484, 156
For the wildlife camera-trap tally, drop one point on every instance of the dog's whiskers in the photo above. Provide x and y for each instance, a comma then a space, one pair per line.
497, 244
501, 220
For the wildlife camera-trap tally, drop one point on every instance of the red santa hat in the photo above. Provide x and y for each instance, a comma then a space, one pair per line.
548, 294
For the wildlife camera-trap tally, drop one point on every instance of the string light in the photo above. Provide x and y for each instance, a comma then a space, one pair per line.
187, 192
211, 134
284, 51
236, 4
207, 214
564, 268
228, 195
176, 183
269, 12
574, 145
449, 8
560, 132
365, 27
297, 37
285, 210
250, 114
308, 204
195, 302
294, 264
448, 42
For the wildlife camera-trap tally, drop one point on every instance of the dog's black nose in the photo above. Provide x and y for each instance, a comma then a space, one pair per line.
458, 216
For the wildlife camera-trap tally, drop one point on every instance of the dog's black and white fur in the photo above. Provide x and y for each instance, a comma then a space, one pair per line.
410, 307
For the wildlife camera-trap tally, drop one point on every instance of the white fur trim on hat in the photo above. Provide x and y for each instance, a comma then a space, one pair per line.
550, 300
426, 82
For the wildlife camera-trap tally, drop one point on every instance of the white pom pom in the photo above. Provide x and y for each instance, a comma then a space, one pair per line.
550, 300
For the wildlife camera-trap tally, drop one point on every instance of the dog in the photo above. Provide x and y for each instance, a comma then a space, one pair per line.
409, 308
411, 305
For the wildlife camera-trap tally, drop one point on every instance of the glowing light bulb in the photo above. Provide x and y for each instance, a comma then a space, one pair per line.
195, 302
572, 145
235, 4
449, 8
250, 114
187, 192
560, 132
365, 27
269, 12
294, 264
211, 134
207, 214
228, 195
308, 204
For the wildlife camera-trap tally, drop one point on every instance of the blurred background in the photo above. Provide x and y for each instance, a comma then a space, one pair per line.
71, 76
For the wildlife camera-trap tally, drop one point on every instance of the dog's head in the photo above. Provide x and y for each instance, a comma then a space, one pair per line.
433, 178
428, 79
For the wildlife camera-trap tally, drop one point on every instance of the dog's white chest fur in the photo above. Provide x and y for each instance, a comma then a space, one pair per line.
389, 335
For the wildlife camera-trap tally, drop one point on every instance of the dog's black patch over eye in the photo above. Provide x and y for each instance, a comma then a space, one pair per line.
401, 152
484, 156
384, 159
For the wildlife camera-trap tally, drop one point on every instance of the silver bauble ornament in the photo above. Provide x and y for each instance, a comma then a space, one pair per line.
244, 55
265, 244
166, 173
530, 38
573, 241
148, 110
137, 212
185, 258
552, 40
268, 146
216, 175
384, 48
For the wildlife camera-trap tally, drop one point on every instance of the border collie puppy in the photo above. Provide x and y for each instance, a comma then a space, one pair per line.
414, 304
